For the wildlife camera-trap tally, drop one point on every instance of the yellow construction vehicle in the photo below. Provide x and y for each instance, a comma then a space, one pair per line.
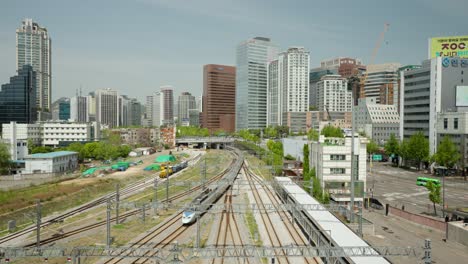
166, 169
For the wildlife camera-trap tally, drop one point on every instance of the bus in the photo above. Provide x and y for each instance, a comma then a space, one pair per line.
422, 181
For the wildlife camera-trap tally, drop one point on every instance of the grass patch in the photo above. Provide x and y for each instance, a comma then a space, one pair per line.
252, 225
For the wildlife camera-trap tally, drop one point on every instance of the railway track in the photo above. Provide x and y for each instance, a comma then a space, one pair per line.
293, 232
125, 192
268, 224
228, 225
145, 240
124, 215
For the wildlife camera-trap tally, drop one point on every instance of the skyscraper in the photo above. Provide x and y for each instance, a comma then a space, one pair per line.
57, 106
135, 112
33, 47
288, 85
18, 98
167, 105
156, 109
219, 93
252, 60
381, 76
79, 109
186, 101
333, 94
107, 107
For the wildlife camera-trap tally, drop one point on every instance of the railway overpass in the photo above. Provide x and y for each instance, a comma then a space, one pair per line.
206, 142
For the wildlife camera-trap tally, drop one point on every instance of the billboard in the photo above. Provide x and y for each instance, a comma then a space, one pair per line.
454, 46
462, 96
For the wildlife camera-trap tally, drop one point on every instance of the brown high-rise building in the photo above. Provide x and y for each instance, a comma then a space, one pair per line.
219, 97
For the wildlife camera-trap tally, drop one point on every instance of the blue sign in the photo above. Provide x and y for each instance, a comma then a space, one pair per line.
445, 62
454, 62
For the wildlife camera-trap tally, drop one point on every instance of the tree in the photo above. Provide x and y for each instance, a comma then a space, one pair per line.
282, 130
418, 148
447, 153
391, 146
305, 152
77, 147
5, 158
270, 132
331, 131
434, 194
41, 149
403, 150
289, 157
372, 147
313, 135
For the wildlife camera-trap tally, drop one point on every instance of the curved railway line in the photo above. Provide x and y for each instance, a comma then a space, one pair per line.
175, 220
130, 189
124, 215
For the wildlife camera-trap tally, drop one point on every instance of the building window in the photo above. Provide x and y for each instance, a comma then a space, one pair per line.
455, 123
337, 170
445, 123
337, 157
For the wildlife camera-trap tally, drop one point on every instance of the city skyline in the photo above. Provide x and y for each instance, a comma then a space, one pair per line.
149, 61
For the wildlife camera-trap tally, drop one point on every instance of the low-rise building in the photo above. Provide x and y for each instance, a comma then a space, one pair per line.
331, 158
52, 133
53, 162
455, 125
138, 136
302, 122
377, 121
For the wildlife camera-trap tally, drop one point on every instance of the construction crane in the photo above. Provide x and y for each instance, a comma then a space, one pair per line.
374, 54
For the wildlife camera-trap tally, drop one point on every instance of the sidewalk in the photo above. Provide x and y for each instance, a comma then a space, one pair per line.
394, 231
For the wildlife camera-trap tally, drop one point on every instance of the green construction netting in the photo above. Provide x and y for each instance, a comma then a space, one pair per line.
165, 158
155, 167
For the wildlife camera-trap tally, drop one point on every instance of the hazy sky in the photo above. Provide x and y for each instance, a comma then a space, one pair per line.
135, 46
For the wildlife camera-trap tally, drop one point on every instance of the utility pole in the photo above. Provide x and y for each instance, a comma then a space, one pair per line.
117, 202
108, 233
143, 213
167, 184
203, 172
155, 199
443, 192
353, 165
38, 223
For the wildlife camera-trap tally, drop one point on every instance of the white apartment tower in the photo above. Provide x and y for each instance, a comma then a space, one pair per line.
107, 107
33, 47
288, 84
333, 94
252, 59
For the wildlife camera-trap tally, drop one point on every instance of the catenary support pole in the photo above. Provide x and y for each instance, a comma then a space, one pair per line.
108, 216
117, 202
155, 198
38, 222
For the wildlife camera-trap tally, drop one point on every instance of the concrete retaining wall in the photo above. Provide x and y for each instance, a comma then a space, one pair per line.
458, 232
419, 219
25, 180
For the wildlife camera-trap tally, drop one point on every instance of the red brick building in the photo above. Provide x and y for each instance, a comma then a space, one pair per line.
219, 97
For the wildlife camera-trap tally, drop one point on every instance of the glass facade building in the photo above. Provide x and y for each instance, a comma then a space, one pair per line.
18, 98
64, 110
33, 48
252, 59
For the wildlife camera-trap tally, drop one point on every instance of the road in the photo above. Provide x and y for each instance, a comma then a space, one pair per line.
398, 187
